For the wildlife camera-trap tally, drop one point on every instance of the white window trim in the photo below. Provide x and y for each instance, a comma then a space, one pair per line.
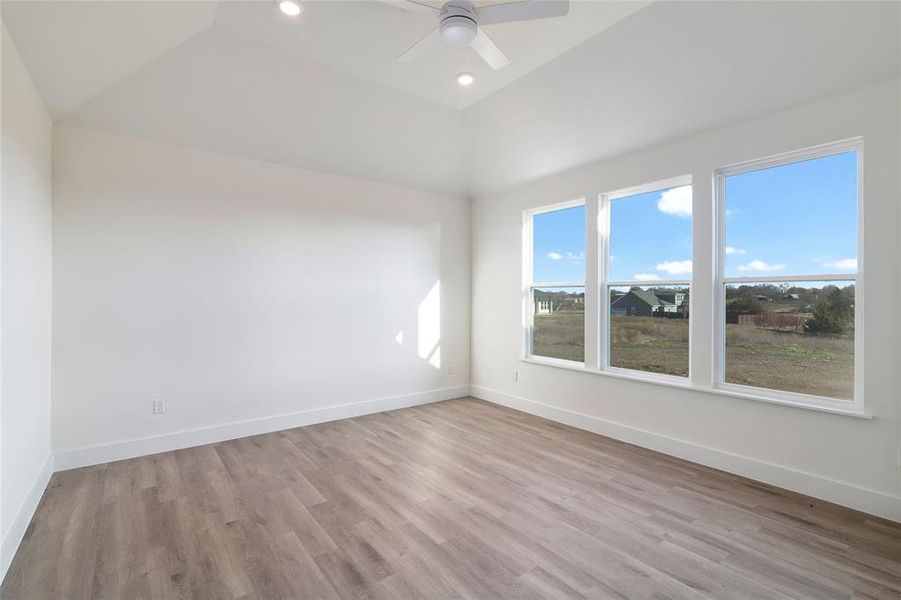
854, 406
603, 237
596, 261
529, 285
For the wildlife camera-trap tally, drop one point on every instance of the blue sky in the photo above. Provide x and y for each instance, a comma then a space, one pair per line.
796, 219
559, 245
650, 236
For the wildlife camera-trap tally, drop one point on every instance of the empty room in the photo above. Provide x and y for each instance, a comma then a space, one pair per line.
466, 299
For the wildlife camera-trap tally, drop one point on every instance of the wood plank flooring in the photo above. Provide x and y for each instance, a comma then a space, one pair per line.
460, 499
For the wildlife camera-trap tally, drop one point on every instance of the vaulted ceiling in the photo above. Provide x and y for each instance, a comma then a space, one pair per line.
325, 92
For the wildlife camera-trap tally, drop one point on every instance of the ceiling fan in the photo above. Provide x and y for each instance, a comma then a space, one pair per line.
460, 24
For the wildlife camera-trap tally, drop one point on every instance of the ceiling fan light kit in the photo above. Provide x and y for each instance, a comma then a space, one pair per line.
460, 24
458, 30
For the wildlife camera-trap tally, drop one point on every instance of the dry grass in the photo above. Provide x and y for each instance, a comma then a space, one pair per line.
560, 335
649, 344
793, 362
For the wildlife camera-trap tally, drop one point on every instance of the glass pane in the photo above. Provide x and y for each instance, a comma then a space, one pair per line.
559, 323
558, 245
799, 218
649, 329
794, 337
650, 236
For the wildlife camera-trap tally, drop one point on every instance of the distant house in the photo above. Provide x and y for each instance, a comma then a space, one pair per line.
642, 303
648, 303
544, 306
671, 296
762, 298
547, 303
792, 296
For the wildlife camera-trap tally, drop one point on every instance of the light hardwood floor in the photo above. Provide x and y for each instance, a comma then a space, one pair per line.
460, 499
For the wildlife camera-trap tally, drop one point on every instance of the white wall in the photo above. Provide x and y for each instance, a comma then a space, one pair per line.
25, 230
237, 291
846, 459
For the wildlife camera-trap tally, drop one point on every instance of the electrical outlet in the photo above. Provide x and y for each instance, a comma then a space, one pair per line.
159, 407
898, 458
515, 375
451, 369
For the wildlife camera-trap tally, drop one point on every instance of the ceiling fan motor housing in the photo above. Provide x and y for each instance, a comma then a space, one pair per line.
459, 23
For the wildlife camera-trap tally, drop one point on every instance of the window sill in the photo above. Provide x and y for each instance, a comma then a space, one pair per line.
684, 384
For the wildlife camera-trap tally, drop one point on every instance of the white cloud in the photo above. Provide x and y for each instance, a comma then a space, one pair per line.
570, 256
676, 201
675, 267
731, 250
845, 264
647, 277
759, 265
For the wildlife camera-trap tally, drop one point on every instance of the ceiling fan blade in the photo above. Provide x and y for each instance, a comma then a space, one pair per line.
523, 10
413, 6
421, 46
489, 52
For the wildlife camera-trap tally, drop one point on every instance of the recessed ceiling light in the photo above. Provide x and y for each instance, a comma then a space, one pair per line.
290, 7
465, 79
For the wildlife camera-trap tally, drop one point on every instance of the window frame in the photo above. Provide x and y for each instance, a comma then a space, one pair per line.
856, 404
529, 285
707, 285
604, 283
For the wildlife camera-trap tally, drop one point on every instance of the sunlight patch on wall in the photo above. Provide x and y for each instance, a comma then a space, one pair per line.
430, 326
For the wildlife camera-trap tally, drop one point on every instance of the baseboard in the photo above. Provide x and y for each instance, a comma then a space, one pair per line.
17, 529
863, 499
95, 455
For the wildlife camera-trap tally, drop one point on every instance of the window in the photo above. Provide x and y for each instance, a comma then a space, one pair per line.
555, 292
787, 277
648, 272
760, 289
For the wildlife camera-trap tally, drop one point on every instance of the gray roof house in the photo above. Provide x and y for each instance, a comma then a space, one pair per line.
647, 303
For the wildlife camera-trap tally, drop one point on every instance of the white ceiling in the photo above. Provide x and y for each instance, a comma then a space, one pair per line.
324, 92
74, 49
365, 38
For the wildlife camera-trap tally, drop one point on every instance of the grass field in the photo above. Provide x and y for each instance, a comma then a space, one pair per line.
649, 344
560, 335
792, 362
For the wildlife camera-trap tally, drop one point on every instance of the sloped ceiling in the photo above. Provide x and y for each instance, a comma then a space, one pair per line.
324, 92
226, 94
671, 70
75, 49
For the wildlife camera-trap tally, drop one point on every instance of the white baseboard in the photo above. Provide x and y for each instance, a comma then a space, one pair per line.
95, 455
870, 501
16, 532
